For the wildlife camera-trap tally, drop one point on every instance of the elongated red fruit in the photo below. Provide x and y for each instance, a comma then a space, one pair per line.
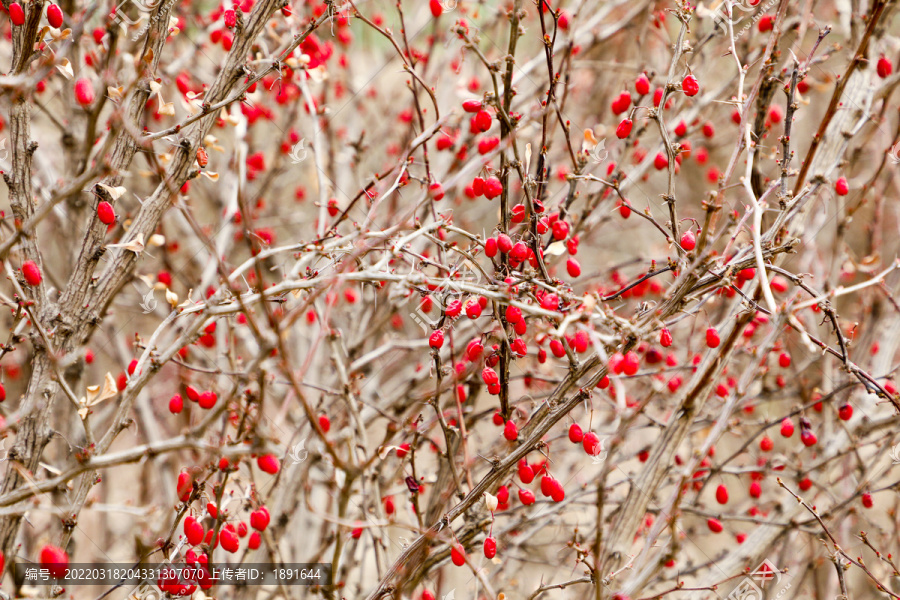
54, 16
31, 272
16, 14
84, 92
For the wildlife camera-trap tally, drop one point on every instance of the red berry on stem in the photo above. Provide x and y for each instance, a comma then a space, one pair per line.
436, 340
176, 404
575, 433
268, 463
32, 273
624, 129
841, 187
665, 337
884, 67
688, 241
458, 555
105, 213
845, 412
690, 86
16, 14
55, 560
259, 518
712, 337
84, 92
490, 547
591, 444
510, 431
642, 85
722, 494
54, 16
714, 525
787, 427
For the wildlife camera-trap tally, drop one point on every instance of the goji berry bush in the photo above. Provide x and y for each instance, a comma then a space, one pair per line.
465, 299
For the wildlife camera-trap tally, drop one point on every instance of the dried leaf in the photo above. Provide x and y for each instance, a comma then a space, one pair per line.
171, 298
589, 139
136, 245
210, 175
167, 109
157, 240
65, 67
555, 249
114, 192
114, 93
97, 394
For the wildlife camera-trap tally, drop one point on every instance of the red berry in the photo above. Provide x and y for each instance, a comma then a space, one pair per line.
575, 433
207, 399
784, 360
526, 497
55, 560
268, 463
193, 531
255, 540
492, 188
805, 484
755, 490
591, 444
630, 363
16, 14
766, 444
787, 427
841, 187
490, 547
714, 525
510, 431
54, 16
690, 86
436, 190
712, 337
32, 273
624, 129
483, 120
436, 8
105, 213
458, 555
867, 500
884, 67
176, 404
661, 161
665, 337
184, 486
324, 423
688, 241
472, 106
436, 340
84, 91
229, 540
808, 438
259, 518
845, 412
526, 473
722, 494
642, 85
573, 268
